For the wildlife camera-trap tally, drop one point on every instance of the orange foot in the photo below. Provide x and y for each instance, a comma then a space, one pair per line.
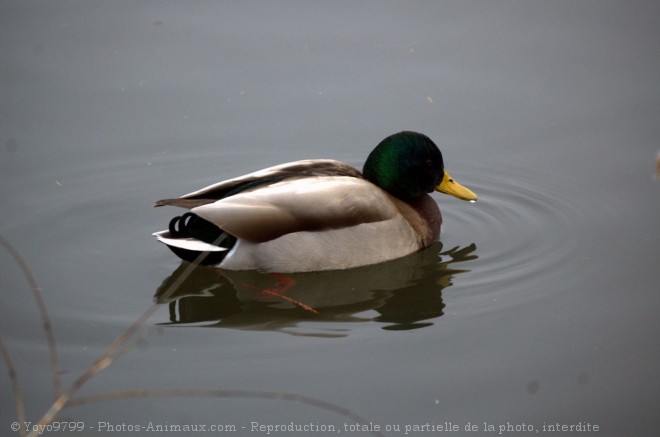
282, 284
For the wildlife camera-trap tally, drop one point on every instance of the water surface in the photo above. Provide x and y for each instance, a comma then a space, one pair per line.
537, 305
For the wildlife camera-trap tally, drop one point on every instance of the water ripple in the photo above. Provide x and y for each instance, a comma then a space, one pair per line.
525, 226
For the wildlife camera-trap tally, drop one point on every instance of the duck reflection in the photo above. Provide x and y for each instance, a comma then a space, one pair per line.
402, 294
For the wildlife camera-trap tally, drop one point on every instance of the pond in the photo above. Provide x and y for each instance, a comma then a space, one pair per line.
536, 311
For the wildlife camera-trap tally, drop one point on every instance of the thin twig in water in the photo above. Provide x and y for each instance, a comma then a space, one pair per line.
120, 346
16, 388
110, 354
290, 397
38, 296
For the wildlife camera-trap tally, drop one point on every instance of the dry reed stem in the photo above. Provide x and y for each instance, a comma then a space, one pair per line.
38, 297
15, 386
111, 352
249, 394
120, 346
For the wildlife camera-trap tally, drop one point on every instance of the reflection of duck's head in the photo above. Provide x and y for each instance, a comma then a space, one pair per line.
319, 214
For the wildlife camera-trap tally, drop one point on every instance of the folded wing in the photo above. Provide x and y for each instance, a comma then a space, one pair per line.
293, 205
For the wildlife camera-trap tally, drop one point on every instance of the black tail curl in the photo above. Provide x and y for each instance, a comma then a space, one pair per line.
190, 225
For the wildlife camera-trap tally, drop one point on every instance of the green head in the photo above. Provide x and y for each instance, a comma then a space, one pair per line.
409, 165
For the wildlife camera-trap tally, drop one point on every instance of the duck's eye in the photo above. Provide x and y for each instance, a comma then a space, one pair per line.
428, 163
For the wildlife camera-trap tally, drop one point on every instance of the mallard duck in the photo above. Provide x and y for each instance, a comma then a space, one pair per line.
318, 214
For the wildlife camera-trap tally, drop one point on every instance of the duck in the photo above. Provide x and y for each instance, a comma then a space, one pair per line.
318, 214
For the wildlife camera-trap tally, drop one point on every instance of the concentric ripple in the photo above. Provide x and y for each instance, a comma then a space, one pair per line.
525, 226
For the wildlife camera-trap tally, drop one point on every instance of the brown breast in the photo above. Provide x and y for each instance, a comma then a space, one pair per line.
423, 215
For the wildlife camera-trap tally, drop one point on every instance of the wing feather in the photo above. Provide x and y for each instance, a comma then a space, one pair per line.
271, 175
308, 204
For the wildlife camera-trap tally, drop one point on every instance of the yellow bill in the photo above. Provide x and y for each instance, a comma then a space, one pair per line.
453, 188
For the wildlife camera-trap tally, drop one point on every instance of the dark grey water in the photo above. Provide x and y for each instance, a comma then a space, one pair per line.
538, 305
